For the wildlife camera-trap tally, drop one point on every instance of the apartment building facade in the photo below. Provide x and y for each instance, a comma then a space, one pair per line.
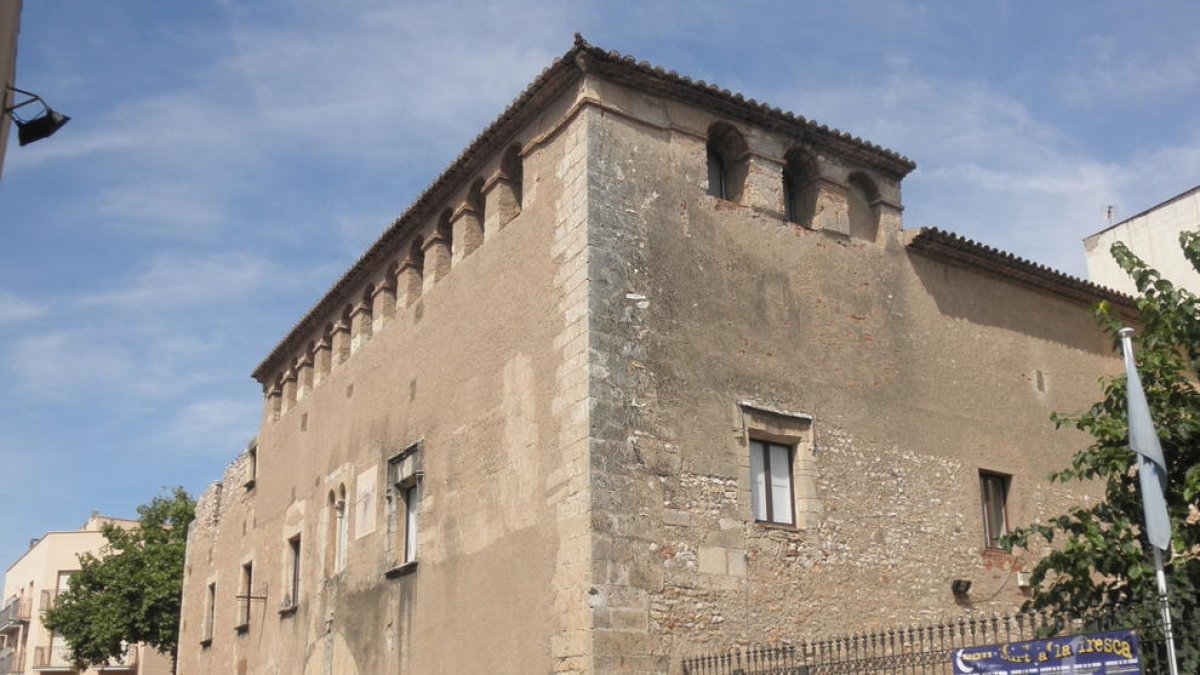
1152, 235
32, 585
650, 369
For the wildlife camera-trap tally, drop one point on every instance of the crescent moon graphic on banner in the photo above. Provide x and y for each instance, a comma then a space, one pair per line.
958, 663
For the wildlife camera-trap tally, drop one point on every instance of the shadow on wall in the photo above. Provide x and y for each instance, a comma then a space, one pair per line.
978, 297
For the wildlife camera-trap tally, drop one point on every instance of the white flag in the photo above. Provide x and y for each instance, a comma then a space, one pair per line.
1143, 439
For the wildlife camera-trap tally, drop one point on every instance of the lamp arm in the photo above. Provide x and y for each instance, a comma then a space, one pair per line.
32, 97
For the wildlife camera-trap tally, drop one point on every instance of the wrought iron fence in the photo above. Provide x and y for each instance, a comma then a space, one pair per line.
928, 649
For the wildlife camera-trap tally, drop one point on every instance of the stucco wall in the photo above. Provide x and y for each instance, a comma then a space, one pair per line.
916, 375
486, 372
1154, 237
10, 26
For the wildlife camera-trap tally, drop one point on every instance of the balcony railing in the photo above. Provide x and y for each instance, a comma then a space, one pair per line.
51, 657
16, 611
12, 662
58, 657
49, 597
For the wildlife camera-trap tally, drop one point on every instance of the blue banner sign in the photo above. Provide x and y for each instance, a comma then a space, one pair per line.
1114, 653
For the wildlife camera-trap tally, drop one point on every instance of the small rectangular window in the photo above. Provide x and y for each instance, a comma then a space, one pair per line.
404, 505
994, 488
210, 608
771, 486
243, 622
251, 467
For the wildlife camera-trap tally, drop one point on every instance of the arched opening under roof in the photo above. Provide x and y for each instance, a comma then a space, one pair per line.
727, 162
363, 325
470, 222
861, 198
800, 185
512, 166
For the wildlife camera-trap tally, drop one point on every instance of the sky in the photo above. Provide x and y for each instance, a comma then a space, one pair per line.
227, 161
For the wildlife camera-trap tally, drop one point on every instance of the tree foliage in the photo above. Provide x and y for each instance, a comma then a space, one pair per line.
1100, 564
131, 592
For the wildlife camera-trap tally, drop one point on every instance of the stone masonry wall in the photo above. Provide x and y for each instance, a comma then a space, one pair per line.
913, 377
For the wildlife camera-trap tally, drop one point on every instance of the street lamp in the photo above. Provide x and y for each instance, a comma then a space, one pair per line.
42, 125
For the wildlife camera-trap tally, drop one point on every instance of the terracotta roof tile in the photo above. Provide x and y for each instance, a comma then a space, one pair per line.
956, 249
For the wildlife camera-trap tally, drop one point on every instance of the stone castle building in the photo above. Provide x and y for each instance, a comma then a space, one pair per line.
649, 369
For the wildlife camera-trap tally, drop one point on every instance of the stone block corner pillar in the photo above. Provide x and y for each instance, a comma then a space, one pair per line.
467, 228
502, 203
437, 261
274, 403
763, 190
360, 326
832, 211
890, 217
383, 305
341, 342
408, 283
289, 390
322, 361
304, 377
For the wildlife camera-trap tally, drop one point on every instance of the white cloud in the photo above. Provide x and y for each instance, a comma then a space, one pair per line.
1107, 71
220, 427
63, 364
988, 166
174, 280
14, 309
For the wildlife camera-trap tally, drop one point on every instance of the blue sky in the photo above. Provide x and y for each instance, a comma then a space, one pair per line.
226, 161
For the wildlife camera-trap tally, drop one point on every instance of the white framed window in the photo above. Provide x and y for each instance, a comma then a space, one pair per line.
994, 498
772, 488
404, 508
781, 468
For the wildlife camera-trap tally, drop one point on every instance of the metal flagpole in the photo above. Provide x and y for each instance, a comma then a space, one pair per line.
1152, 477
1165, 607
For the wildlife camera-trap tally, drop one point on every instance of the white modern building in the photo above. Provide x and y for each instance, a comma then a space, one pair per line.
31, 586
1153, 235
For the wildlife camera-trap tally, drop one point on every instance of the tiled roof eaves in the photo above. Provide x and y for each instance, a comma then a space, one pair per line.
953, 248
552, 81
656, 80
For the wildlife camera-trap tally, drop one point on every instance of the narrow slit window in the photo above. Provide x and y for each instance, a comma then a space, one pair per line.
244, 598
994, 487
412, 496
293, 597
716, 175
210, 609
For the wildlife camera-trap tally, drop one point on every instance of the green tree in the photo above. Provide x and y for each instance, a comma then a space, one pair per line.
1100, 566
131, 592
